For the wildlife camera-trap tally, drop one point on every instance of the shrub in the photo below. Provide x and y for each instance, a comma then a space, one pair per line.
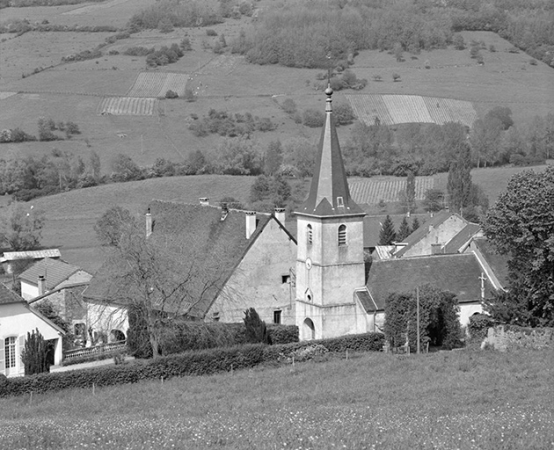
205, 362
185, 45
478, 326
171, 94
34, 353
313, 118
210, 32
256, 329
289, 106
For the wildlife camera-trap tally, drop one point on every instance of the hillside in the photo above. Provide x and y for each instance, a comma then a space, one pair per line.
114, 99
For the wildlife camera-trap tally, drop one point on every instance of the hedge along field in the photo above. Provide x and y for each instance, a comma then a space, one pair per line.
373, 190
397, 109
129, 106
447, 400
156, 84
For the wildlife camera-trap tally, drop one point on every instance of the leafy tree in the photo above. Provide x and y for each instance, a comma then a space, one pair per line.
459, 182
343, 114
458, 41
504, 114
273, 158
387, 235
113, 224
256, 329
521, 225
438, 321
196, 162
434, 200
398, 51
45, 132
289, 106
485, 140
124, 168
300, 155
313, 118
21, 227
269, 192
404, 230
34, 355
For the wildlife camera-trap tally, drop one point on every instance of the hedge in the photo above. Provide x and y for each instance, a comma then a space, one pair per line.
203, 362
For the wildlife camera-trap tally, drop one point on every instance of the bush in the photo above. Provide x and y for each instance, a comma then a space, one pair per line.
313, 118
205, 362
210, 32
171, 94
478, 327
256, 329
34, 353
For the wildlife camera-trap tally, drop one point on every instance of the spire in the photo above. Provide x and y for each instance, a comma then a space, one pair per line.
329, 193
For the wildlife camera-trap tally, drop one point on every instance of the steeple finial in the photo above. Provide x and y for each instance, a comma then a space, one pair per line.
329, 100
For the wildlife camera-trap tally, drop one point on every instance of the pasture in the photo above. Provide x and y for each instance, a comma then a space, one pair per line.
449, 400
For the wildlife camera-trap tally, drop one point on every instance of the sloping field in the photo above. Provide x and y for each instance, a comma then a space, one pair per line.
90, 8
150, 84
444, 110
371, 191
128, 106
4, 95
397, 109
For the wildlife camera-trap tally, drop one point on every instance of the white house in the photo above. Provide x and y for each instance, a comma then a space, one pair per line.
16, 320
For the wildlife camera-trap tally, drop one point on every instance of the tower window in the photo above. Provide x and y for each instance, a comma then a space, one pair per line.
310, 235
285, 279
340, 202
342, 235
276, 316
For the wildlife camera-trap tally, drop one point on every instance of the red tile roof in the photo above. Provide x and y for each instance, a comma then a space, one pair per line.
54, 271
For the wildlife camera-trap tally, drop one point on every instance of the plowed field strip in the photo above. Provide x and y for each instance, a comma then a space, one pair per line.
407, 109
370, 191
368, 107
444, 110
4, 95
128, 106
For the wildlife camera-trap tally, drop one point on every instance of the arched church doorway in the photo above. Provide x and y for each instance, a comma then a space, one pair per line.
308, 330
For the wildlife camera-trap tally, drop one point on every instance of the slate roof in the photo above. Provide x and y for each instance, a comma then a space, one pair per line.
54, 271
498, 263
422, 231
31, 254
458, 273
9, 296
367, 301
217, 247
329, 182
462, 238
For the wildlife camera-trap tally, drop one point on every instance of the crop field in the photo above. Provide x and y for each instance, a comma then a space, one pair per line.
465, 400
373, 190
128, 106
156, 84
397, 109
91, 8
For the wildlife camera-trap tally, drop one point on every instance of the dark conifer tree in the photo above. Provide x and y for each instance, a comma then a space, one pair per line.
415, 225
404, 230
388, 233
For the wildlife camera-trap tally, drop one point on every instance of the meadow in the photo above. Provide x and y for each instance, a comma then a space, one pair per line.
448, 400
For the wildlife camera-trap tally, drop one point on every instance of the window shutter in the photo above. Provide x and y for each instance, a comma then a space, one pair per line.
2, 358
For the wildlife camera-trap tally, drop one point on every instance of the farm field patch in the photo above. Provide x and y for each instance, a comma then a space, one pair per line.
129, 106
156, 84
374, 190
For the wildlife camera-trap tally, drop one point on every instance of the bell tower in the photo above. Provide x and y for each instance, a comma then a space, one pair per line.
330, 257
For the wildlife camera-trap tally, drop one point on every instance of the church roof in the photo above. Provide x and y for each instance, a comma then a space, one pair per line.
329, 193
203, 234
457, 273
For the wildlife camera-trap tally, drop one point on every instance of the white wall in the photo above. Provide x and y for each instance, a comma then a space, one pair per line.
16, 319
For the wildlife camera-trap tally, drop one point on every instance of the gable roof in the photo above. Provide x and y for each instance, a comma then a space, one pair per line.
458, 242
215, 246
54, 271
8, 296
422, 231
31, 254
497, 262
458, 273
329, 192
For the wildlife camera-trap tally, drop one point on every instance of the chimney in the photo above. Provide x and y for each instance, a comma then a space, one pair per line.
204, 201
148, 223
280, 215
41, 285
436, 249
224, 211
250, 223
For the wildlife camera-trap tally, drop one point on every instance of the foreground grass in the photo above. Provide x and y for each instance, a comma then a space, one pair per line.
464, 400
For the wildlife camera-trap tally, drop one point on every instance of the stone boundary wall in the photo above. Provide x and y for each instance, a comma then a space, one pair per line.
511, 337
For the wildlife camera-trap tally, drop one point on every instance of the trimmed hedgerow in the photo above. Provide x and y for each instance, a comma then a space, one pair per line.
282, 334
205, 362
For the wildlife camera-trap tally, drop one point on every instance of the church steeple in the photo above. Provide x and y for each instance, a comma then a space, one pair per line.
329, 193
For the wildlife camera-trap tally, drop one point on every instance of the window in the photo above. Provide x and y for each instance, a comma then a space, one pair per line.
308, 295
340, 202
310, 235
342, 235
276, 316
285, 279
9, 352
215, 316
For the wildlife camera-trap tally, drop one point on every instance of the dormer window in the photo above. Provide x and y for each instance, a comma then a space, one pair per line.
340, 202
309, 235
342, 235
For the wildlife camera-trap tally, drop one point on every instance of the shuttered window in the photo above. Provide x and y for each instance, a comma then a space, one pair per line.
342, 235
9, 352
310, 235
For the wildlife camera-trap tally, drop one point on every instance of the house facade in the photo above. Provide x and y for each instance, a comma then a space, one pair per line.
16, 320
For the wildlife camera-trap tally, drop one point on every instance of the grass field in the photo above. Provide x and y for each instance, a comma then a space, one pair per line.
447, 400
